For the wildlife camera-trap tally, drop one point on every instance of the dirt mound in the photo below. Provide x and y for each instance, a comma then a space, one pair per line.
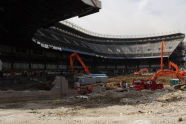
129, 78
158, 107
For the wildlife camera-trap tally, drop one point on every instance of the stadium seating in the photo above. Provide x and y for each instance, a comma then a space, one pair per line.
72, 38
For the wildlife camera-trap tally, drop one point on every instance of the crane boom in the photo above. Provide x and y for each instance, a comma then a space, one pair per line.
81, 62
180, 74
162, 72
151, 82
171, 64
162, 54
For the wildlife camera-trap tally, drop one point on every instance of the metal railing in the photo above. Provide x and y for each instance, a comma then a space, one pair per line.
76, 27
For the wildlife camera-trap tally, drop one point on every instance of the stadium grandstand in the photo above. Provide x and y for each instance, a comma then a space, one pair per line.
120, 53
42, 43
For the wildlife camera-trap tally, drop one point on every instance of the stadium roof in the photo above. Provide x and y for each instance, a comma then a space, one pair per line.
21, 18
98, 35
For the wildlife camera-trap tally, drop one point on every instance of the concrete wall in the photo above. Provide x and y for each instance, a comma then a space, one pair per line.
59, 90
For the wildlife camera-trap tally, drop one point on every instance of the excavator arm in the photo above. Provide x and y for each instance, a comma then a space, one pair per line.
179, 74
163, 73
171, 64
80, 60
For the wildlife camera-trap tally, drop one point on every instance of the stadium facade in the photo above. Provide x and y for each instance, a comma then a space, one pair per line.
51, 48
110, 54
52, 44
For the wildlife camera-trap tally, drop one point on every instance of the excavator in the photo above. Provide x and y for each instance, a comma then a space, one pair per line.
141, 71
177, 72
151, 82
81, 62
78, 79
86, 82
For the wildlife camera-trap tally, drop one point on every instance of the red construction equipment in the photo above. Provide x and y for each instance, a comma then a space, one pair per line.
144, 84
141, 71
86, 82
81, 62
151, 82
162, 72
162, 54
171, 64
179, 74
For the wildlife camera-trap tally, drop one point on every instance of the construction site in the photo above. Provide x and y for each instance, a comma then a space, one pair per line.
54, 71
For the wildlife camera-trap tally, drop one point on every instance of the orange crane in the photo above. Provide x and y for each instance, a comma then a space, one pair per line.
180, 74
84, 89
162, 72
81, 89
151, 82
171, 64
81, 62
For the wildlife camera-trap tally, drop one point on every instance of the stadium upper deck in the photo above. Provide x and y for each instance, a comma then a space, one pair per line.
68, 37
21, 18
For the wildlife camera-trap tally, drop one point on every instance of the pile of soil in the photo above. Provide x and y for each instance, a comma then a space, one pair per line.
129, 78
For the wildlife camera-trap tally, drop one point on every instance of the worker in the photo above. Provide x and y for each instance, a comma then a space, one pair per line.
124, 84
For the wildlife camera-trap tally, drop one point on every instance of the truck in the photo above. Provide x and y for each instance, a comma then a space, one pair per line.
85, 84
149, 85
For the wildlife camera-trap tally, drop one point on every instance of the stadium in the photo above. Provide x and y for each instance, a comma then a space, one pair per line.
108, 53
113, 55
50, 47
36, 45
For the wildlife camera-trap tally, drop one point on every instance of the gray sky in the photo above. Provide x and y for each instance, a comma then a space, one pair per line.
136, 17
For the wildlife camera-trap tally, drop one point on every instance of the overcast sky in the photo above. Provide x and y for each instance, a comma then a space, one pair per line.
136, 17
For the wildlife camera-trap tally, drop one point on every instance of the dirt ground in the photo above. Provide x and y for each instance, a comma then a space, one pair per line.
129, 78
167, 106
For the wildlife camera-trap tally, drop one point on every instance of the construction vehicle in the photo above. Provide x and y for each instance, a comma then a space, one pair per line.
144, 84
92, 79
86, 82
151, 82
113, 85
81, 62
143, 70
